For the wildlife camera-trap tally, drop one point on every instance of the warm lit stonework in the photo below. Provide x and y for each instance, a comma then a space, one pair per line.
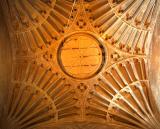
79, 64
81, 55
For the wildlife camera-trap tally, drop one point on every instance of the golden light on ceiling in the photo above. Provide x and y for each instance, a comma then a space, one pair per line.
81, 63
81, 55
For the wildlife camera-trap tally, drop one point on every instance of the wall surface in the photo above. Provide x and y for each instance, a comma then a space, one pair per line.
155, 63
5, 62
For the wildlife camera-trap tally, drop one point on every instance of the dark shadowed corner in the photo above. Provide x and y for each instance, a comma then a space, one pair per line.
5, 69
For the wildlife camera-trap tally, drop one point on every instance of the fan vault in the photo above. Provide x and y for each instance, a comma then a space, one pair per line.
80, 64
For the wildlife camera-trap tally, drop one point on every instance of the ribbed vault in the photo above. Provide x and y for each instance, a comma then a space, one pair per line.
80, 64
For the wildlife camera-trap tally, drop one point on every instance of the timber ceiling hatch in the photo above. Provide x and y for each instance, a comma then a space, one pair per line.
80, 61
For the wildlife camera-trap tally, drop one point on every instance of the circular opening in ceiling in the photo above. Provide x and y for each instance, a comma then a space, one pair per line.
81, 55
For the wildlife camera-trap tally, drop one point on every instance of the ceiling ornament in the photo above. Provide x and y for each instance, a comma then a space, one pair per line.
81, 55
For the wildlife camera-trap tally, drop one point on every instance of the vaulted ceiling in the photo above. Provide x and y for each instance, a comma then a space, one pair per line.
81, 64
